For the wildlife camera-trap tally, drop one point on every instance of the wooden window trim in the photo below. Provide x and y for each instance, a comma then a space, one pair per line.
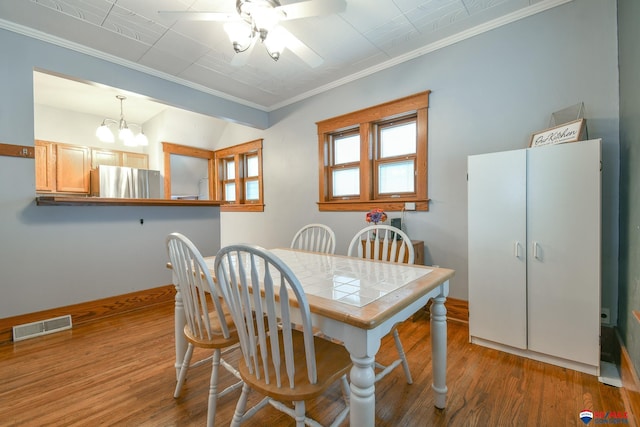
379, 160
184, 150
239, 152
365, 120
332, 167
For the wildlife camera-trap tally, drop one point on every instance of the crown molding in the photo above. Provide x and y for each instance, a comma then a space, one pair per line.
432, 47
76, 47
538, 7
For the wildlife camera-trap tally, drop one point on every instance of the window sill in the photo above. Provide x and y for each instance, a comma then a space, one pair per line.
387, 206
257, 207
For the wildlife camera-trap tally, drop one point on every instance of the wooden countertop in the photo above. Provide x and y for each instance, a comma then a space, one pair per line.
103, 201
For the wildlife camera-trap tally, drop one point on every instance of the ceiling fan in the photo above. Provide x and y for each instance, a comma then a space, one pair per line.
255, 20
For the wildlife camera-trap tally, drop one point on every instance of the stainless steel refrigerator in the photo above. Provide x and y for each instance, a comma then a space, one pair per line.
123, 182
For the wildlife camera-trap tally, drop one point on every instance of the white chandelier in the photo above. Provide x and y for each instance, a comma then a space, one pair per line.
260, 19
125, 134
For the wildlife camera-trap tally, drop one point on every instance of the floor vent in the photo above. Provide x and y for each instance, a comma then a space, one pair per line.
43, 327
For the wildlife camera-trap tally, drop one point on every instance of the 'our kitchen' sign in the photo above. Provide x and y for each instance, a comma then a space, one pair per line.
568, 132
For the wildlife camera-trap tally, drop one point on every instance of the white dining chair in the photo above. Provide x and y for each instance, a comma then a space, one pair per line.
281, 361
315, 238
385, 243
205, 328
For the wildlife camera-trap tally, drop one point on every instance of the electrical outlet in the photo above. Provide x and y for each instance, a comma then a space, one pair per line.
409, 206
605, 316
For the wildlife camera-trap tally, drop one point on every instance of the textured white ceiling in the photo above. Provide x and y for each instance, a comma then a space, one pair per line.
367, 36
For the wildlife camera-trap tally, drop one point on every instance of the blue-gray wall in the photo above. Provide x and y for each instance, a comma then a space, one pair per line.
629, 53
56, 256
489, 93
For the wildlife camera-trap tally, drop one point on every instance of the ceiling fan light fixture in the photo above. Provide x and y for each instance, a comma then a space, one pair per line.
260, 18
275, 43
240, 35
265, 19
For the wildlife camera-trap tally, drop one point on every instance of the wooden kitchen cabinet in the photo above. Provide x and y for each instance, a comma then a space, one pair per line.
135, 160
65, 168
101, 156
61, 168
418, 252
72, 169
45, 166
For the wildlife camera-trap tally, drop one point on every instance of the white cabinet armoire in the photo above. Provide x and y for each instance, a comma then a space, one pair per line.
534, 253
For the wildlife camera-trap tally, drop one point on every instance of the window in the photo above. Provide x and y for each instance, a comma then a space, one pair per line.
189, 156
239, 177
375, 157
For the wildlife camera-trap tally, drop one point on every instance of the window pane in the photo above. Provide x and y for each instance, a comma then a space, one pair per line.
251, 190
346, 149
230, 192
396, 177
346, 182
252, 166
231, 169
398, 140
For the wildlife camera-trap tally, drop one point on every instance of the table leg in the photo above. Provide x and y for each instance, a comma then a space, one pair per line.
179, 321
363, 399
439, 350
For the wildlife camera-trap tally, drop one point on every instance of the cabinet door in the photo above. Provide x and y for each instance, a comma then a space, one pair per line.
135, 160
45, 166
418, 252
72, 169
564, 251
105, 157
497, 247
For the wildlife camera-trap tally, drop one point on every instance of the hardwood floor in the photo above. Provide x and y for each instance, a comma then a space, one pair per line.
120, 372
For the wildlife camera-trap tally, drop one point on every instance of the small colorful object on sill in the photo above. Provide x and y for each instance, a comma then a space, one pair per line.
376, 215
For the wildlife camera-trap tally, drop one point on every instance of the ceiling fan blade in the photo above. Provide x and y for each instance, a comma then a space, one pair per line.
301, 50
241, 58
199, 16
305, 9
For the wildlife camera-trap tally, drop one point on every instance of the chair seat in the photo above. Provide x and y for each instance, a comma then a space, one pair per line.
333, 361
217, 339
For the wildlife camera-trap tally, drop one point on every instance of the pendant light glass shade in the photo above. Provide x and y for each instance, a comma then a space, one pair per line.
240, 35
275, 43
141, 139
104, 134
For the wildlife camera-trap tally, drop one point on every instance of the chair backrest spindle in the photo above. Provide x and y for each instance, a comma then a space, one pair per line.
259, 289
381, 242
315, 238
196, 286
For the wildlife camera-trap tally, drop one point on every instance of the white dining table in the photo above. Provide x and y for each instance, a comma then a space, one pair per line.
358, 301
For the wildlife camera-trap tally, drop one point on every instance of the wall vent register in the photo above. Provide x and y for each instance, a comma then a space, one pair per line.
43, 327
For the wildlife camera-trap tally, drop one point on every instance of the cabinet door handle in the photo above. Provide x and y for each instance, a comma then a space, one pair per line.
535, 251
516, 249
